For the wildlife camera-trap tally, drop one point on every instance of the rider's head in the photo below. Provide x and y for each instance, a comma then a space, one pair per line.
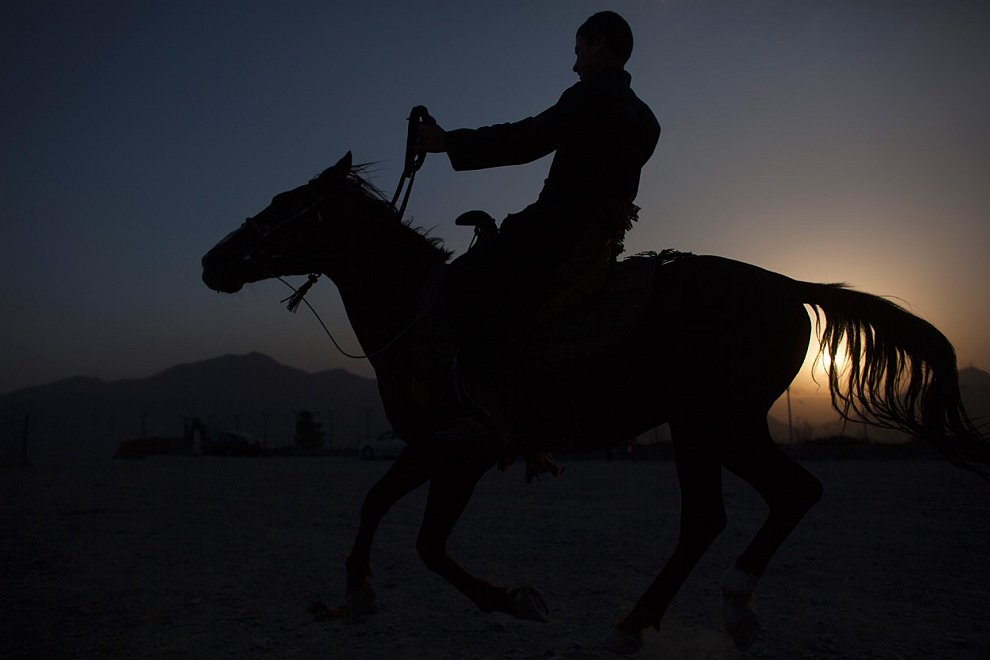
604, 41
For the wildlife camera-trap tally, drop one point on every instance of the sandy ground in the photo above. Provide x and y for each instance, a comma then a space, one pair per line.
219, 558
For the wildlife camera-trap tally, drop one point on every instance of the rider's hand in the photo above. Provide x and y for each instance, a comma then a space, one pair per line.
430, 139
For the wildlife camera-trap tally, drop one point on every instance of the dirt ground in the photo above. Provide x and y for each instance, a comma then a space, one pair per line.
220, 558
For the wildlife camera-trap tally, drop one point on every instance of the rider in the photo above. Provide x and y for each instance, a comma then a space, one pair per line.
601, 135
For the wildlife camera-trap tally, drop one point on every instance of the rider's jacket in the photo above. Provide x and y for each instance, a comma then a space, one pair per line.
601, 135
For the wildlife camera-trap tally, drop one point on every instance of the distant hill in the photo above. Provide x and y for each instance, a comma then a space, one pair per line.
88, 418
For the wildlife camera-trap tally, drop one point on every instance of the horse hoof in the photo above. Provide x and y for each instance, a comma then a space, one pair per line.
744, 631
320, 611
622, 643
741, 621
529, 605
359, 601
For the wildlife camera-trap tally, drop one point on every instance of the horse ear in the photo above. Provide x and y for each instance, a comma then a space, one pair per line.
343, 166
340, 170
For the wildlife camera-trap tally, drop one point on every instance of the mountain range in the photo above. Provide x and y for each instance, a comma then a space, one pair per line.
253, 394
82, 418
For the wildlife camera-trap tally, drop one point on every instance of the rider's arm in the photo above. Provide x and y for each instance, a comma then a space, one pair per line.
509, 144
502, 144
430, 138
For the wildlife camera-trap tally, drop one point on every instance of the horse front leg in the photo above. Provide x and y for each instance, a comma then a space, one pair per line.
450, 490
410, 471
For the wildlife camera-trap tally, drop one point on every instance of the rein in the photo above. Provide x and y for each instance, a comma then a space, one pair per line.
413, 161
411, 164
298, 296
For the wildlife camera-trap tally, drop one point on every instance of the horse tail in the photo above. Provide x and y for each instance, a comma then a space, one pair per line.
900, 371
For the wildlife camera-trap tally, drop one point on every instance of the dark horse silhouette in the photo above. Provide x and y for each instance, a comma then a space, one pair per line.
706, 317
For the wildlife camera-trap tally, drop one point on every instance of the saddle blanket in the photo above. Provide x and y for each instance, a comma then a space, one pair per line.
559, 338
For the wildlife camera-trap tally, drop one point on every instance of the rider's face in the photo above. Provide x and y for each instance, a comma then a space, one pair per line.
588, 56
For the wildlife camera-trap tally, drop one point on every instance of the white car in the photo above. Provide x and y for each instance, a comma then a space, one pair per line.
387, 445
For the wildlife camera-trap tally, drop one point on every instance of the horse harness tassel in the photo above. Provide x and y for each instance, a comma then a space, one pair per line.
300, 293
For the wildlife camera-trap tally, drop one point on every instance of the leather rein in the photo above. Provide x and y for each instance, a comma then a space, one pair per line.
411, 164
413, 160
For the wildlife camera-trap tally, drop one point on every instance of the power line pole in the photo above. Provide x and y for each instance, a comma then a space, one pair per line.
24, 440
790, 420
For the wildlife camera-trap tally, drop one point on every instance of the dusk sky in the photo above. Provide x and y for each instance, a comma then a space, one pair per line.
829, 141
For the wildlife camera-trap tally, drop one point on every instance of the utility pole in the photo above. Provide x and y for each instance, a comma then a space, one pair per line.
790, 420
24, 440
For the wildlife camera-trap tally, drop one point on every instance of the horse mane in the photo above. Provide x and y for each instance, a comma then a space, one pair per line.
414, 237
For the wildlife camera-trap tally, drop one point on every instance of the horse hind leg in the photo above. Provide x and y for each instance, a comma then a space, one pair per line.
790, 491
703, 518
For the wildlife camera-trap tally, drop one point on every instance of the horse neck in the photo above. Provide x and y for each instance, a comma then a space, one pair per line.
381, 293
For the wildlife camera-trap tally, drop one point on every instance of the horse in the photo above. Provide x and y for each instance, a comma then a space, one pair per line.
700, 318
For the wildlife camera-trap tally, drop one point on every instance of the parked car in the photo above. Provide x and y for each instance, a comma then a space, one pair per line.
229, 443
388, 445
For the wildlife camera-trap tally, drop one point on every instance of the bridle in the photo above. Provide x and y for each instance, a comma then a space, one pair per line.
265, 231
412, 162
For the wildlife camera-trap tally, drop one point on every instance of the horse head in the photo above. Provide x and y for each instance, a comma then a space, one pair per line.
294, 235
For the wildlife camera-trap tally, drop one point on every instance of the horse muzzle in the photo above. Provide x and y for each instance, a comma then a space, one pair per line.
220, 276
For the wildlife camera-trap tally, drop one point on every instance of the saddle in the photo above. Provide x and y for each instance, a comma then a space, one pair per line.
592, 314
590, 319
582, 323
